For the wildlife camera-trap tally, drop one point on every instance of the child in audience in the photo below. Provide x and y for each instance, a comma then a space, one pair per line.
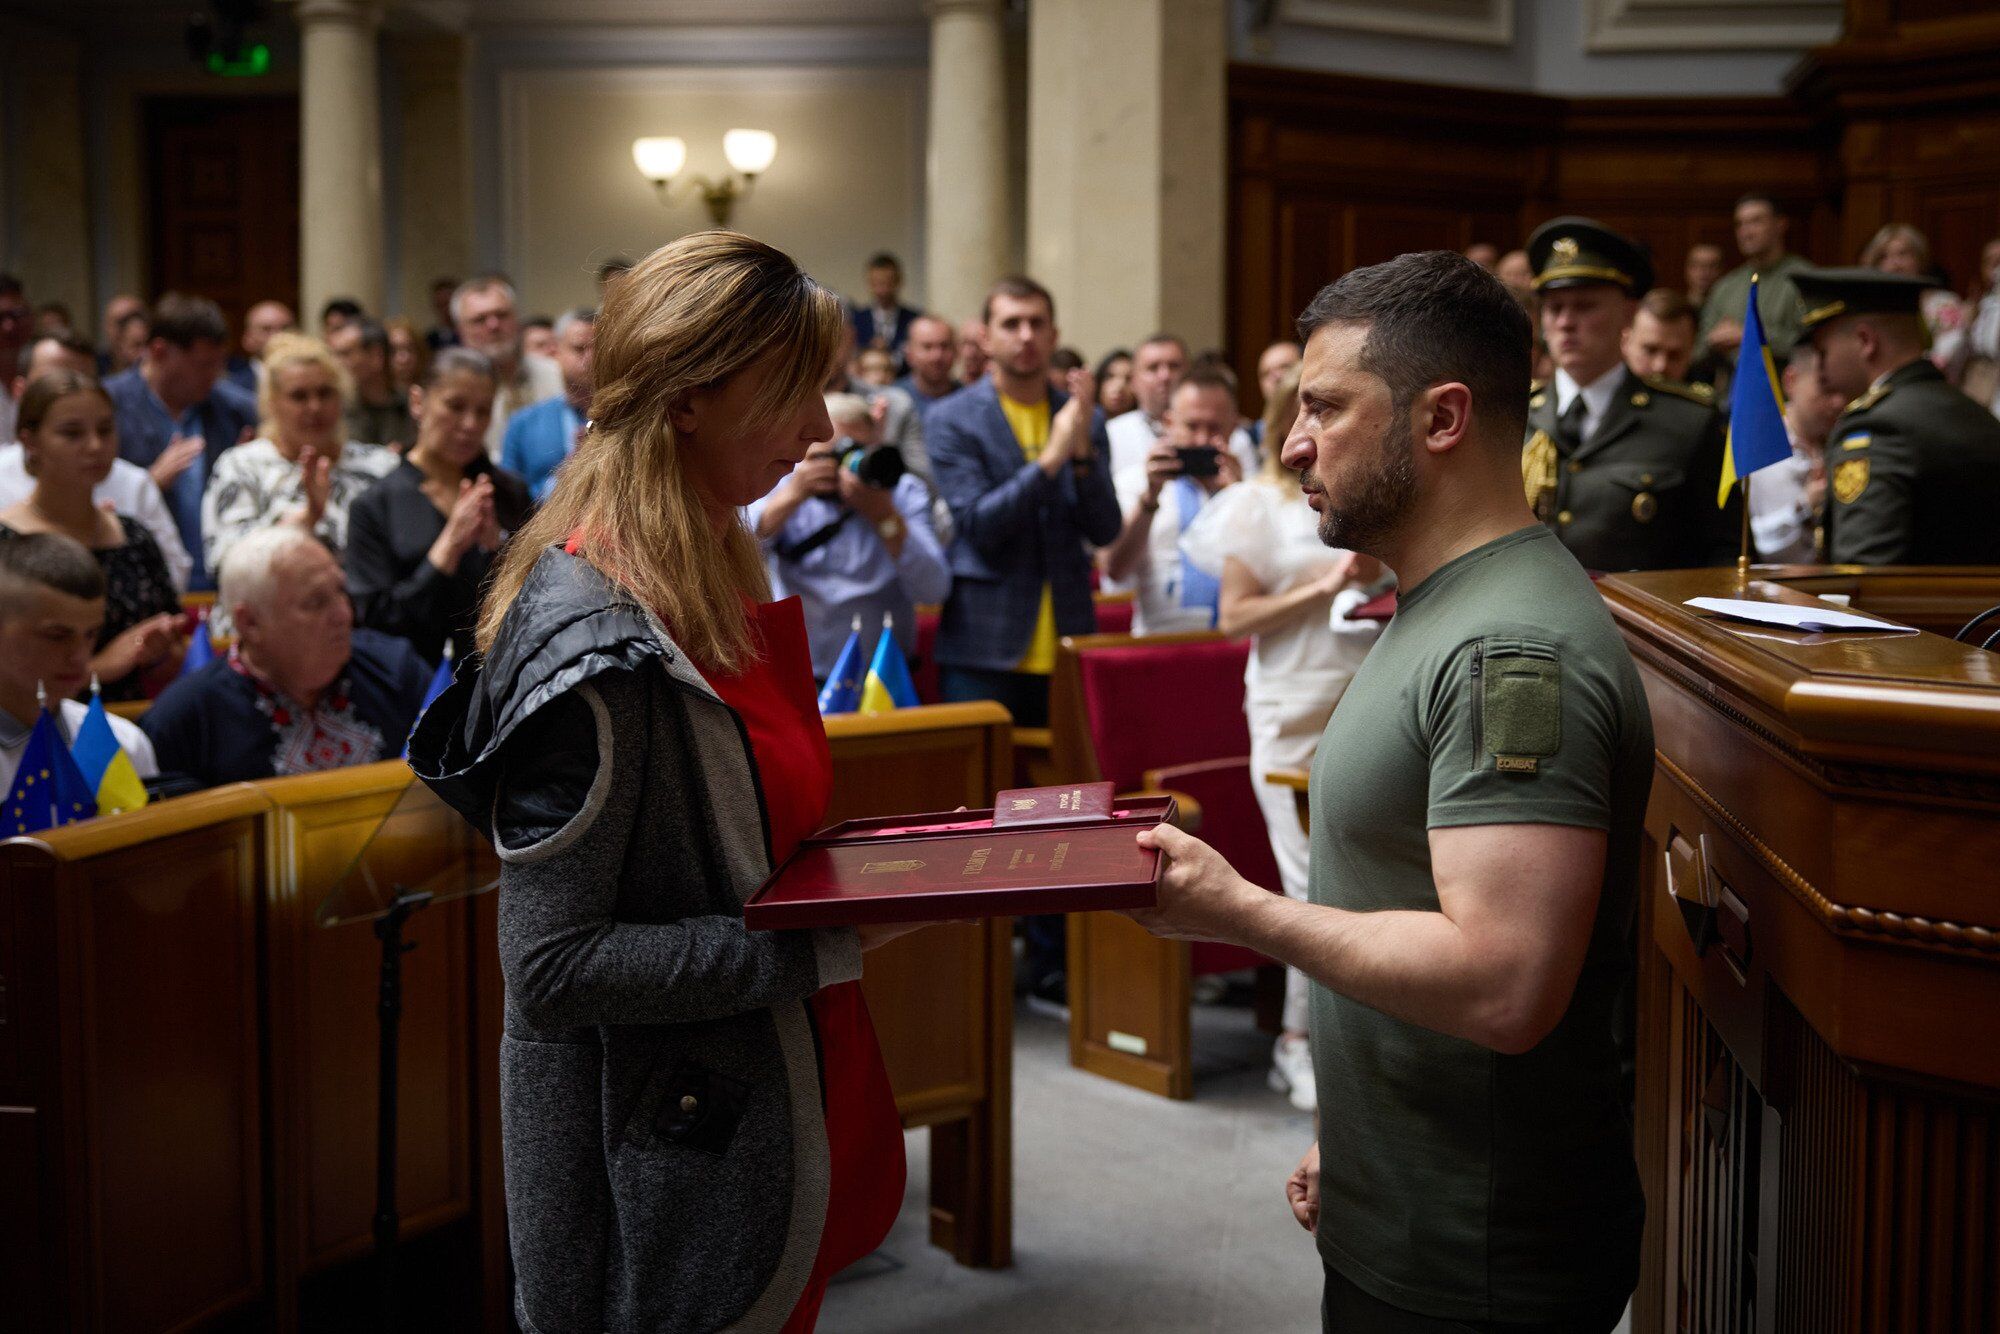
51, 606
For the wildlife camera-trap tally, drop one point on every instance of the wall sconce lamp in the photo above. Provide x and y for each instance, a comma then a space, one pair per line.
661, 158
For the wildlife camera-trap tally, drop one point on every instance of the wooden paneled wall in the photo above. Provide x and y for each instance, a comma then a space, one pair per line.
1328, 172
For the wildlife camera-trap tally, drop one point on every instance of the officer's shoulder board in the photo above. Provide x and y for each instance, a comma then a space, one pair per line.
1537, 393
1868, 400
1703, 394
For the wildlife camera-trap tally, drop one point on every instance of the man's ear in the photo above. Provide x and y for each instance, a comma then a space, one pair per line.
243, 618
1447, 420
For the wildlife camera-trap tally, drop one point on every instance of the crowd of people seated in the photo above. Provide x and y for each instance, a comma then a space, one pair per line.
342, 495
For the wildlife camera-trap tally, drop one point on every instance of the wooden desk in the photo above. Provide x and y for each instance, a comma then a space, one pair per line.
1819, 966
1298, 780
943, 998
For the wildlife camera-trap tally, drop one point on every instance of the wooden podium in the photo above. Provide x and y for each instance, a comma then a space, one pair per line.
1819, 960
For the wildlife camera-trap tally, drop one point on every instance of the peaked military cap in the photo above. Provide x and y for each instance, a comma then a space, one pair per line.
1577, 252
1830, 293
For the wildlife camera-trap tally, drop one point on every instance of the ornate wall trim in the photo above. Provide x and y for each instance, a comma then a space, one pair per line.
1718, 25
1486, 22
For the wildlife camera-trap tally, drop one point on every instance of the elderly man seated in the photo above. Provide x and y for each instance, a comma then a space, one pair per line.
302, 689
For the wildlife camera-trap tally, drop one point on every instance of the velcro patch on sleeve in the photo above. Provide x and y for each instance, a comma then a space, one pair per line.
1520, 703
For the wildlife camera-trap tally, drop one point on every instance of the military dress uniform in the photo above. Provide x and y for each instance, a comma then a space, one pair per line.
1639, 492
1913, 465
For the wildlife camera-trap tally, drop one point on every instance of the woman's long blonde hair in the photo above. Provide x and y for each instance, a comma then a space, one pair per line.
1281, 410
691, 315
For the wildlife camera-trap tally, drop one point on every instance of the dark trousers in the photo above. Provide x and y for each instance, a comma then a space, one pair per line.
1026, 696
1346, 1309
1023, 694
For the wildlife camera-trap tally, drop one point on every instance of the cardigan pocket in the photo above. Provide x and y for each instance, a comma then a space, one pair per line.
685, 1103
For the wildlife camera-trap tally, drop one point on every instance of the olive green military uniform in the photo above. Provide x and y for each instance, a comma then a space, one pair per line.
1779, 305
1913, 475
1639, 494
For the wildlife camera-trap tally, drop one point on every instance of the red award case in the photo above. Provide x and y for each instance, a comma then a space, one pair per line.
959, 864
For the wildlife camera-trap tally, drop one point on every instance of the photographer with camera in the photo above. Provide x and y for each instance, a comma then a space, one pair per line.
849, 533
1160, 499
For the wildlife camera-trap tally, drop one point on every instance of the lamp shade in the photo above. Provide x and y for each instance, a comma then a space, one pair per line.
660, 158
750, 151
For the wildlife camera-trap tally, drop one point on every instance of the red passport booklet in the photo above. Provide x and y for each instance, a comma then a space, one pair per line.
962, 864
1069, 803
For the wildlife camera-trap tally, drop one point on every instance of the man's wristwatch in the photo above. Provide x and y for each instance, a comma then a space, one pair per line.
890, 528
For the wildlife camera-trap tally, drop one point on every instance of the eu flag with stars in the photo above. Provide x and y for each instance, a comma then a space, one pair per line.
842, 692
49, 790
1757, 436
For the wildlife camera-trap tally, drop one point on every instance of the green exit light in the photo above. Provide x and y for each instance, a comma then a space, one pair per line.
249, 63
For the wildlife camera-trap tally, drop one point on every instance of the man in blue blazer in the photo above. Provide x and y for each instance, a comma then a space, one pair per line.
1026, 472
176, 413
885, 322
539, 438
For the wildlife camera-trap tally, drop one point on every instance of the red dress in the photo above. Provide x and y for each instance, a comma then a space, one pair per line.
775, 697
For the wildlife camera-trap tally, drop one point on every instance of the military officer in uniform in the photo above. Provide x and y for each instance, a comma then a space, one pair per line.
1913, 465
1623, 468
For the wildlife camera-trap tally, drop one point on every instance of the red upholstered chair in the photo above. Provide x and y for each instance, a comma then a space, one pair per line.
1114, 613
924, 673
1167, 707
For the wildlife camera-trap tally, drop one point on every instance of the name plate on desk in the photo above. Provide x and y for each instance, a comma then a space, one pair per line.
960, 864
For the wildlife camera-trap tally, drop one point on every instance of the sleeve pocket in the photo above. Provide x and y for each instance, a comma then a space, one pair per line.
1519, 698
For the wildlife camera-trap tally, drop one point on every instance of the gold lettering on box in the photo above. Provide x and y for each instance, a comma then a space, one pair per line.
1061, 855
885, 868
1021, 803
1021, 857
977, 862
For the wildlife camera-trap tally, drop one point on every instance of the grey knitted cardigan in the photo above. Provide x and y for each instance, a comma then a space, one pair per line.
661, 1118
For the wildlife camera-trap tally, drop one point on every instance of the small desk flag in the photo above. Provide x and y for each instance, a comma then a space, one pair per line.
48, 788
888, 685
200, 649
106, 768
842, 692
1757, 436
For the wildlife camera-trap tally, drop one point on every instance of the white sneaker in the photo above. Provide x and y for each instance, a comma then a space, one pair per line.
1292, 1072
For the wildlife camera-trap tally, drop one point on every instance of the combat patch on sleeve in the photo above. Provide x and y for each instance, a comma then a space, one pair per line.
1518, 693
1850, 479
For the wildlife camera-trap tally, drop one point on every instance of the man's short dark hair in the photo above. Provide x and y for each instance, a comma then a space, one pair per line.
47, 560
69, 340
539, 322
443, 285
1065, 359
1209, 375
1436, 316
882, 259
1759, 197
10, 285
344, 306
187, 320
1667, 304
1020, 287
374, 337
1153, 340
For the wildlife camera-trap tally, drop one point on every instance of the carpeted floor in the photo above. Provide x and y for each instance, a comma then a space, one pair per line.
1130, 1212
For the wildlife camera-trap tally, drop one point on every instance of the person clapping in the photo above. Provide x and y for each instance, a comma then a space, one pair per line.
420, 541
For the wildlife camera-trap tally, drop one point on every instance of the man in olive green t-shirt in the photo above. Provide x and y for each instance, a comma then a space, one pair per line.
1477, 805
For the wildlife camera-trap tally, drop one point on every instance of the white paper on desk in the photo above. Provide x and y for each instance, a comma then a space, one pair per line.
1823, 619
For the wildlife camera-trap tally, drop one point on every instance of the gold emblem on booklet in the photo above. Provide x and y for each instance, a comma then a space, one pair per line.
1022, 804
888, 868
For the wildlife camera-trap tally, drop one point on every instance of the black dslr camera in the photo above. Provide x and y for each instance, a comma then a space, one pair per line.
881, 467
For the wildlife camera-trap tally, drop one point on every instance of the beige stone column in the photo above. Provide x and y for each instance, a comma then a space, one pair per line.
340, 195
435, 222
1127, 168
968, 201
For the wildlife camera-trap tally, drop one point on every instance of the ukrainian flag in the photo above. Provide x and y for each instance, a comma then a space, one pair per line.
1757, 436
48, 788
888, 685
842, 692
106, 768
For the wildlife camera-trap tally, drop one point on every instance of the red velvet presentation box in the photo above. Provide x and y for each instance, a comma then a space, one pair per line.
956, 865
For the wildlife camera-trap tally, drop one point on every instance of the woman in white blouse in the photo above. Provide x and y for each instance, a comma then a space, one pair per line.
1289, 593
301, 469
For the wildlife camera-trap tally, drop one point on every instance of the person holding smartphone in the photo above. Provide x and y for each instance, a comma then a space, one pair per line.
1160, 499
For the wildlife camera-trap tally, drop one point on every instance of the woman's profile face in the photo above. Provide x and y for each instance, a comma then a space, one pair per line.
452, 416
732, 461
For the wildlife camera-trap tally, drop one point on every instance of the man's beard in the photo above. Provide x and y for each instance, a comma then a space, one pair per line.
1372, 508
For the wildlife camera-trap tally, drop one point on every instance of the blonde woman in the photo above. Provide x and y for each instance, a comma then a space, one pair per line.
1284, 589
696, 1124
1900, 248
301, 469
